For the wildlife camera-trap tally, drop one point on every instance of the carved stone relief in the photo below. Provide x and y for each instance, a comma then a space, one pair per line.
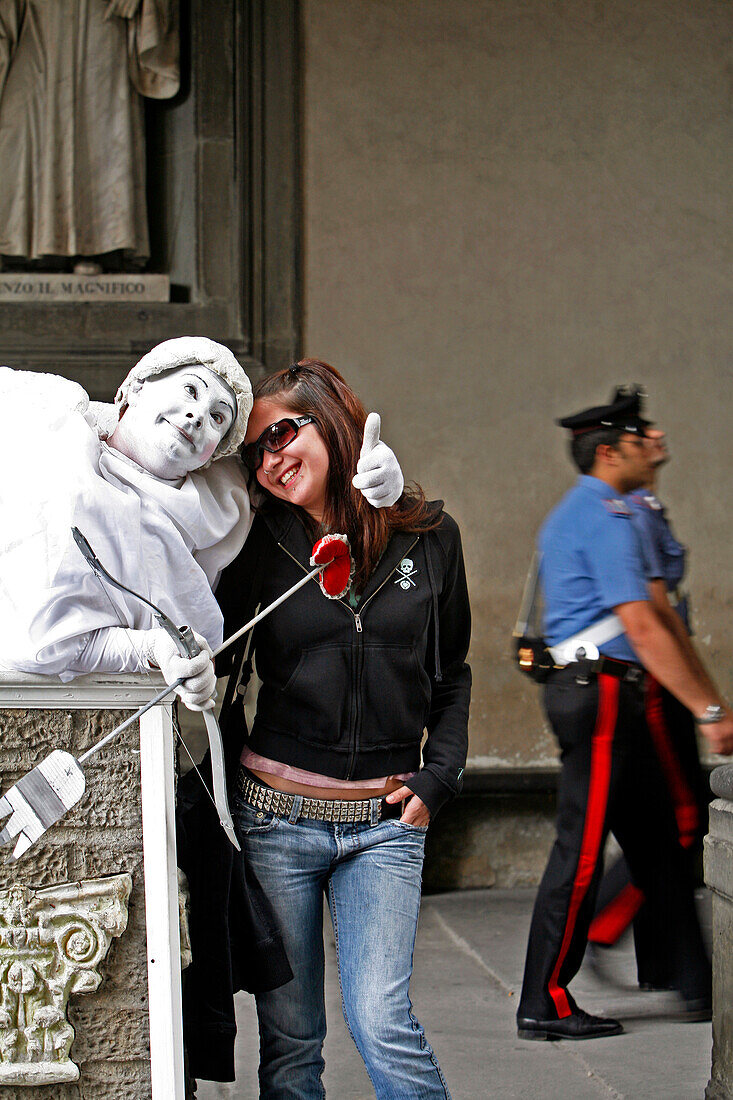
52, 942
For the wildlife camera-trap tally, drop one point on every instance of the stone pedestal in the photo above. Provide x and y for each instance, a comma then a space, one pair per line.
719, 877
118, 840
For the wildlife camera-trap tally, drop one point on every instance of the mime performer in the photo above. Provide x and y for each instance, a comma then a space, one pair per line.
150, 485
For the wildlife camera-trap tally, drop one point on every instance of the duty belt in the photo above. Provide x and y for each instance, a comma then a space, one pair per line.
625, 671
338, 810
586, 642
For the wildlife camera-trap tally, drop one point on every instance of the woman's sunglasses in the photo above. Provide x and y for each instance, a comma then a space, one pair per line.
274, 439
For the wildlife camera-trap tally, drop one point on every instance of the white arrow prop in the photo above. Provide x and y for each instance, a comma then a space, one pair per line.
40, 798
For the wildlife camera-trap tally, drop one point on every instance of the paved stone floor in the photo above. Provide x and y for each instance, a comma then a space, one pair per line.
468, 970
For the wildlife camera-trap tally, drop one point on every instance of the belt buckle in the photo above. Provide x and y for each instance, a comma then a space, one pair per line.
583, 668
634, 675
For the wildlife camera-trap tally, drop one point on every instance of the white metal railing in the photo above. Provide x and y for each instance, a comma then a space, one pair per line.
157, 781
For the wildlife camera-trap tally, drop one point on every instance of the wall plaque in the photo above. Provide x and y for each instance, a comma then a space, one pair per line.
24, 287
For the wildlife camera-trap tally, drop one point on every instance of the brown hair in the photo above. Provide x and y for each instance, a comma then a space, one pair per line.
315, 388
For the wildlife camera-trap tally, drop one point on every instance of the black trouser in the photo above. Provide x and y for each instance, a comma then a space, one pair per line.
610, 779
620, 901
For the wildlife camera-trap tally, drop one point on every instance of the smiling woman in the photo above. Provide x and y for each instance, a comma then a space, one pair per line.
334, 795
292, 465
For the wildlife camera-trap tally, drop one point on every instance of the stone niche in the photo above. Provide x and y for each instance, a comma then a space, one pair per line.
72, 921
223, 214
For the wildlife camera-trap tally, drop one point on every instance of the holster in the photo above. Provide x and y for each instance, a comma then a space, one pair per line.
533, 658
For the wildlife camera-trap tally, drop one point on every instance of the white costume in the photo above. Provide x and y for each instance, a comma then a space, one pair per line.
167, 541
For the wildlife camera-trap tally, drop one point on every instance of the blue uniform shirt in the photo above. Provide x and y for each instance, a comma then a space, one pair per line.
592, 561
665, 555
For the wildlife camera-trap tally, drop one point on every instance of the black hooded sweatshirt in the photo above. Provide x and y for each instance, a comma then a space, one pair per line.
347, 691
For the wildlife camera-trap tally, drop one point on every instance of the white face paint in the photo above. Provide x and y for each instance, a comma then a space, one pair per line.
175, 421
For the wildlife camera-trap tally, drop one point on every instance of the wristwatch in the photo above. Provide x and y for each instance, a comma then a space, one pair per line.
713, 715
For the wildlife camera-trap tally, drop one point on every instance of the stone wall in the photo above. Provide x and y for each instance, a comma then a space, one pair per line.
101, 836
509, 208
494, 834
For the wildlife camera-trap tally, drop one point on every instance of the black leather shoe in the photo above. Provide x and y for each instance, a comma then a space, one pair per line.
580, 1025
695, 1010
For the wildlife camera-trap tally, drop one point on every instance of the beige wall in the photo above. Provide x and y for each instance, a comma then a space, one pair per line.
510, 207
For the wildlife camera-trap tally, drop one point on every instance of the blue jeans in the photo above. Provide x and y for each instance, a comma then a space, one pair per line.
371, 874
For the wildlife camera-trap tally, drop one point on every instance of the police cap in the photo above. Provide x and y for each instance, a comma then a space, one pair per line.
623, 412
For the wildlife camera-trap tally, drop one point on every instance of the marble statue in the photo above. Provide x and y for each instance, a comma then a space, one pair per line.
72, 147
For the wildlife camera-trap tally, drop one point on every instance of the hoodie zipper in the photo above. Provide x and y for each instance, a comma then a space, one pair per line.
359, 662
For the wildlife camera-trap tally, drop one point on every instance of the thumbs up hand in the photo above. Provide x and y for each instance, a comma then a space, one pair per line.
378, 474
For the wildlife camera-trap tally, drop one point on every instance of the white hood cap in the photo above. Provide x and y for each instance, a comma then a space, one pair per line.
185, 351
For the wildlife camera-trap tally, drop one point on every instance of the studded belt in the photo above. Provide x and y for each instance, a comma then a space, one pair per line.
338, 810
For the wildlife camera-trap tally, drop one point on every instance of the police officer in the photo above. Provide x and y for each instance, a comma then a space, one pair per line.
672, 727
603, 632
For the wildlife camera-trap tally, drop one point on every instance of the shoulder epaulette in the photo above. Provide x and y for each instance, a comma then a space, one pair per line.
616, 507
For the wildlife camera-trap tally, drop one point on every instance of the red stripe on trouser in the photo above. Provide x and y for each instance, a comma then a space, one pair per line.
616, 917
595, 815
685, 807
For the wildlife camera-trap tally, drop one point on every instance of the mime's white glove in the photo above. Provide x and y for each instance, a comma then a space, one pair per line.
199, 688
378, 473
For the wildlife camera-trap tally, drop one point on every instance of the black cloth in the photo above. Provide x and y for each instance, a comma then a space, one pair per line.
610, 779
235, 940
347, 691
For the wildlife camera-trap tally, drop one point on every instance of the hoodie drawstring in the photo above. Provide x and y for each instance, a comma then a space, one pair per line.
436, 620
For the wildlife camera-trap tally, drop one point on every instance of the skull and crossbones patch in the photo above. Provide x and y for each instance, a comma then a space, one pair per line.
405, 572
